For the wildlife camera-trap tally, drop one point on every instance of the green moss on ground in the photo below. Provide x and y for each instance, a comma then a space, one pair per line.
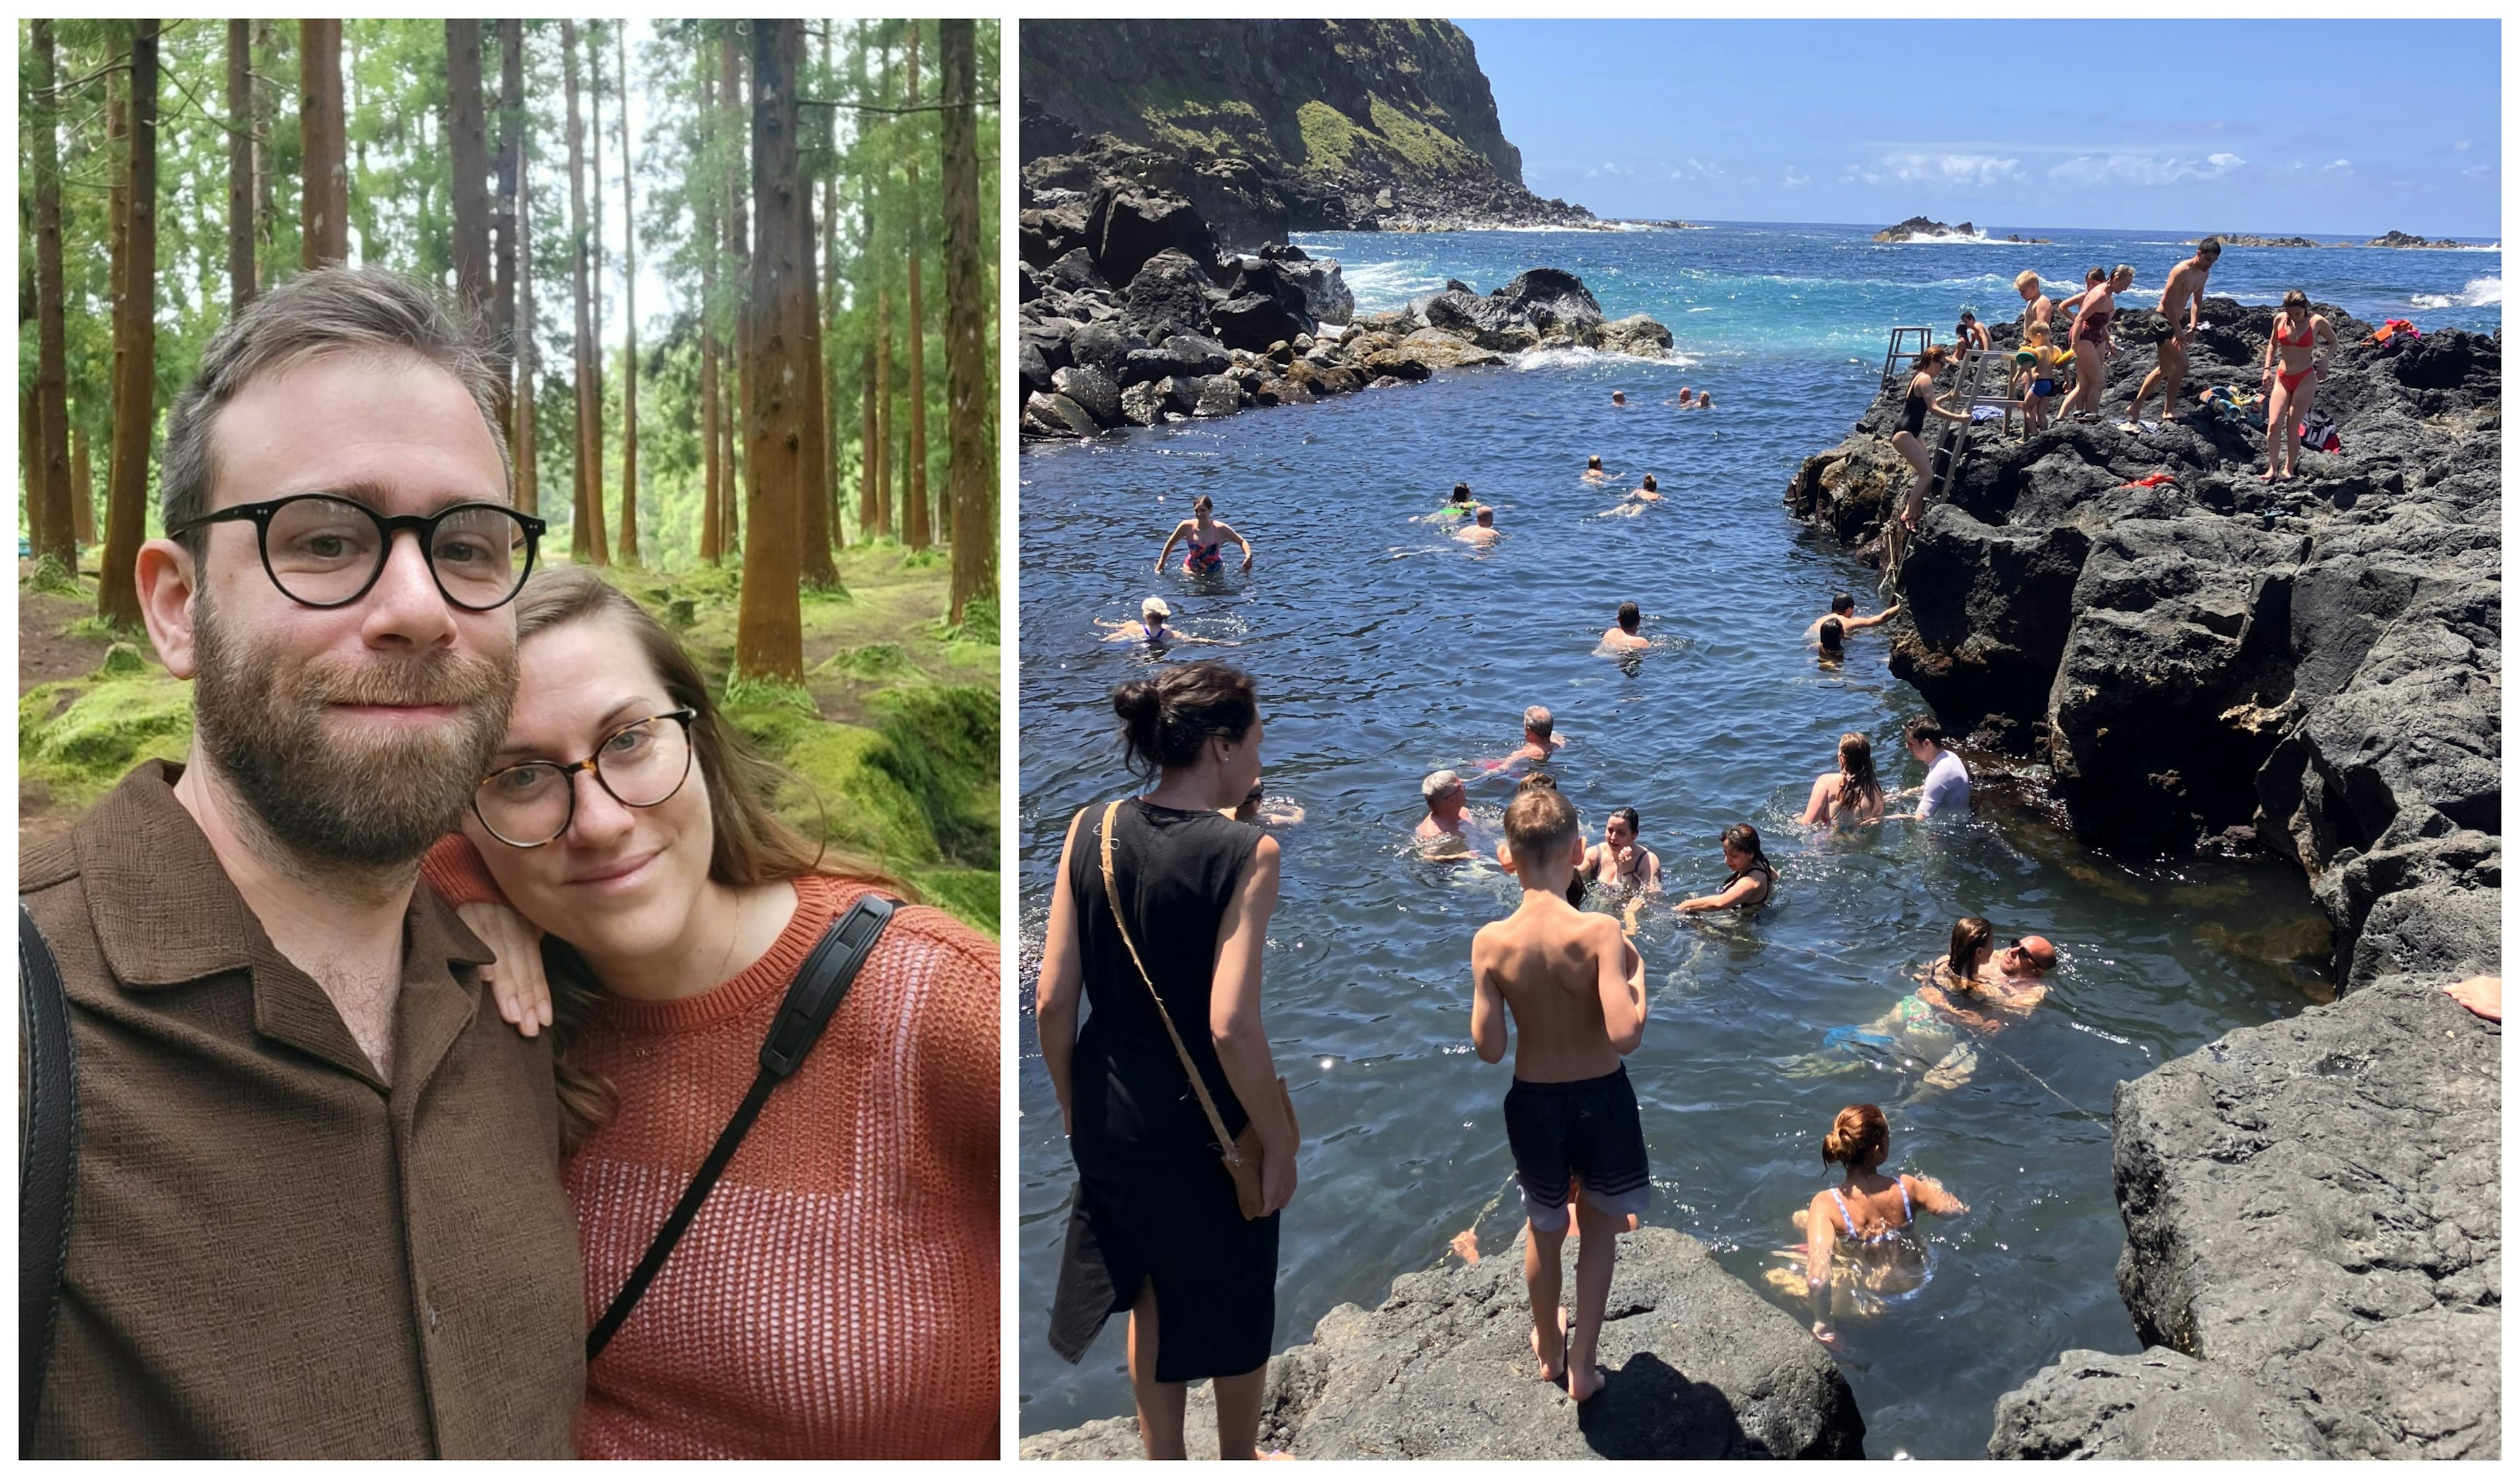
1330, 137
77, 737
967, 894
863, 806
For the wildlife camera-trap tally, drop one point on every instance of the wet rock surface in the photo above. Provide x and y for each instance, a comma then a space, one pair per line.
1699, 1368
2201, 658
1124, 287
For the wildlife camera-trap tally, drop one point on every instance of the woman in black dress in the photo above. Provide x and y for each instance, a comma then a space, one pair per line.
1156, 1229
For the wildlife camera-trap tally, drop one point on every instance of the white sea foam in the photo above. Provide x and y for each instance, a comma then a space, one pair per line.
1382, 286
1562, 356
2480, 292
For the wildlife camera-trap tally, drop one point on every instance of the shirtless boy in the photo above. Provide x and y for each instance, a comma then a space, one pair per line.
2185, 292
1574, 989
1623, 638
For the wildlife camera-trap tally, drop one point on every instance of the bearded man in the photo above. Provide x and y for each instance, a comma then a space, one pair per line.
317, 1209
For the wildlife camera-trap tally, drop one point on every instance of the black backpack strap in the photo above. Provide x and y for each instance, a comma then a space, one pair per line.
47, 1162
812, 998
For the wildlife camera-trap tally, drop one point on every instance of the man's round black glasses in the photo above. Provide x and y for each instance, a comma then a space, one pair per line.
324, 551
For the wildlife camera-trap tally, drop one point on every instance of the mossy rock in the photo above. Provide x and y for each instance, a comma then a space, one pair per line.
922, 559
864, 806
100, 731
969, 894
944, 751
122, 660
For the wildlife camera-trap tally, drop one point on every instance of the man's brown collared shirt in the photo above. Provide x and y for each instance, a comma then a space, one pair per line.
274, 1253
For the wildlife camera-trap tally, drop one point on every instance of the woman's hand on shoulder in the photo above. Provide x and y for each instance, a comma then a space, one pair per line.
516, 978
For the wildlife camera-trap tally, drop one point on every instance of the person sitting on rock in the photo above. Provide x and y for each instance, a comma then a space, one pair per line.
1860, 1219
1849, 795
1753, 880
1482, 529
1442, 834
1574, 987
1946, 779
1206, 549
1623, 638
1969, 334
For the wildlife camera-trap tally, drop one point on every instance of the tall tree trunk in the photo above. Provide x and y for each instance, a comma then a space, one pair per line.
768, 643
241, 276
527, 448
82, 487
51, 486
135, 343
586, 540
880, 221
969, 482
30, 441
813, 496
870, 440
468, 138
711, 550
325, 215
597, 256
510, 162
914, 507
830, 310
266, 120
733, 504
629, 306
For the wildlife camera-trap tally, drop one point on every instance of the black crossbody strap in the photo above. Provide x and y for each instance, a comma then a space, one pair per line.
812, 998
47, 1162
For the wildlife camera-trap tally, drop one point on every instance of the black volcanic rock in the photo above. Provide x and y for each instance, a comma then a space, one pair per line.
1128, 227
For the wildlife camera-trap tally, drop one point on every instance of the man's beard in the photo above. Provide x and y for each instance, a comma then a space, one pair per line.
368, 800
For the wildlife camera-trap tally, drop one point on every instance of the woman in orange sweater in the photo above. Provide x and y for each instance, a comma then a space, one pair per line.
836, 1297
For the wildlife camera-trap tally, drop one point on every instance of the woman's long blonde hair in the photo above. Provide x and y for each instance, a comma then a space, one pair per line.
750, 844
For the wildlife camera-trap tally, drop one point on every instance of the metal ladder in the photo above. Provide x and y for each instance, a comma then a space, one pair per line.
1971, 390
1900, 354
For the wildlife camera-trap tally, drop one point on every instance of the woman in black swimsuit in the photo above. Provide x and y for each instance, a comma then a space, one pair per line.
1912, 425
1619, 861
1156, 1229
1753, 880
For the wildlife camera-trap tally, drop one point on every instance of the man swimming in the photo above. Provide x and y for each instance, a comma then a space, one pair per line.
1946, 779
2185, 292
1592, 472
1830, 630
1483, 531
1440, 833
1623, 638
1618, 397
1539, 739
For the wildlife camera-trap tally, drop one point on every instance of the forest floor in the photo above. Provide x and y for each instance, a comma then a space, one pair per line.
898, 751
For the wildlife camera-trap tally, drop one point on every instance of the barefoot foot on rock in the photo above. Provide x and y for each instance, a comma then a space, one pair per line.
1552, 1364
1586, 1385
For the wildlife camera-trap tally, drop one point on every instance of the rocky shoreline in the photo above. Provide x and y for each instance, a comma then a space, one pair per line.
2396, 241
2311, 670
1700, 1366
1132, 317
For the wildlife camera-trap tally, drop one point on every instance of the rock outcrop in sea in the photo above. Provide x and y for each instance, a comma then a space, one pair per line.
1131, 316
2199, 659
1271, 126
1920, 226
2395, 238
1699, 1368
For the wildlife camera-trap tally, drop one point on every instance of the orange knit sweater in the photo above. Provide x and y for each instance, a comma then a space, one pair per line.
838, 1295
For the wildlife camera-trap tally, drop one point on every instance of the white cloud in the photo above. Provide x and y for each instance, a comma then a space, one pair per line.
1695, 169
2142, 169
2342, 164
1793, 181
2463, 145
2477, 169
1947, 169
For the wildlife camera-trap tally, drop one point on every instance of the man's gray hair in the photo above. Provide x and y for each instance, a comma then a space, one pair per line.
329, 310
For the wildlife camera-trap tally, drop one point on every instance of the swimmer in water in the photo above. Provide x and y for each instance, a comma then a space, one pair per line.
1618, 397
1483, 531
1705, 400
1686, 403
1263, 812
1991, 991
1866, 1213
1649, 492
1851, 794
1830, 632
1618, 862
1623, 638
1440, 835
1206, 537
1149, 627
1592, 468
1539, 739
1753, 880
1458, 506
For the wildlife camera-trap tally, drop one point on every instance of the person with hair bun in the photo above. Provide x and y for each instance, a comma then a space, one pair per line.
1867, 1211
1206, 538
1157, 1229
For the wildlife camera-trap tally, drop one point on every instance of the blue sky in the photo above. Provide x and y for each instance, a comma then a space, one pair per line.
2261, 127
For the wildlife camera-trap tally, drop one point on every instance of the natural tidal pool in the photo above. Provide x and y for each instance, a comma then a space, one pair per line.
1384, 650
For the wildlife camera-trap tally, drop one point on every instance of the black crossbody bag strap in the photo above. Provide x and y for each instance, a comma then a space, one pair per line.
812, 998
47, 1162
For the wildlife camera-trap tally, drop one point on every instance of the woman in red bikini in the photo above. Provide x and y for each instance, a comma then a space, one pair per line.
2292, 369
2098, 305
1206, 541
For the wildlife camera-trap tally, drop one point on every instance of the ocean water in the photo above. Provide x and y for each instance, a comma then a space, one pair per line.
1384, 650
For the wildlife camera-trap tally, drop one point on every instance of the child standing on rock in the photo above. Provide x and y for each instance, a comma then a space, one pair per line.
1574, 988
